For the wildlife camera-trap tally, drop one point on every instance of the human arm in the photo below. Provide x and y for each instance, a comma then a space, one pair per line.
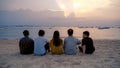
64, 43
78, 41
32, 45
47, 46
84, 45
84, 49
20, 45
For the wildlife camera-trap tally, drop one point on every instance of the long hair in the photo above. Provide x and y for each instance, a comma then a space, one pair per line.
56, 38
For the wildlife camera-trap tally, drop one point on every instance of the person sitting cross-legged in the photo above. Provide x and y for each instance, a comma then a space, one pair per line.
87, 44
56, 44
41, 44
26, 44
70, 43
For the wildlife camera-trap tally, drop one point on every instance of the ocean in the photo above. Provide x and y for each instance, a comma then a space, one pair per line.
15, 32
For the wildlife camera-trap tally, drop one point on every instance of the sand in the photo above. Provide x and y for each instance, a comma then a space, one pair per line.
107, 55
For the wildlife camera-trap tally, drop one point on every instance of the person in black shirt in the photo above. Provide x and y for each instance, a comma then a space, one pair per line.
87, 44
26, 44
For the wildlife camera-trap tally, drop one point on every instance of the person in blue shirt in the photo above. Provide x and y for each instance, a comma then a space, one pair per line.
41, 44
70, 43
26, 44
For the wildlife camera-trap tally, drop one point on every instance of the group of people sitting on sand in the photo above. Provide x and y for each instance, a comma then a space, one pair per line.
40, 46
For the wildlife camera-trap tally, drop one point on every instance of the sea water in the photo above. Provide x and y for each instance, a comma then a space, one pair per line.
14, 32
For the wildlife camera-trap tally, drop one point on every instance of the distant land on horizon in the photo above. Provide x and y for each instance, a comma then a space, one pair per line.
52, 18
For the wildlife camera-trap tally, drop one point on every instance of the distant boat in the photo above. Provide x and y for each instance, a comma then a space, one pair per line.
103, 27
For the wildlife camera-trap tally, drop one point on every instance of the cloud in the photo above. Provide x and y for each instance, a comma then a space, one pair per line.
110, 13
51, 18
36, 5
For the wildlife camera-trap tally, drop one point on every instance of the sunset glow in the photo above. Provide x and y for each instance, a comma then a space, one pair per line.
81, 6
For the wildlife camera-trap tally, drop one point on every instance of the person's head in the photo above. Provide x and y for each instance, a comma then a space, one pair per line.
70, 32
56, 34
86, 34
41, 33
56, 38
26, 33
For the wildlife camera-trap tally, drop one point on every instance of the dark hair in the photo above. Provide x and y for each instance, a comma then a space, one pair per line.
70, 32
86, 33
41, 33
56, 38
25, 32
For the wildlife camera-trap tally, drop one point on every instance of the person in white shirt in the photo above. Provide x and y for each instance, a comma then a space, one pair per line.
70, 43
40, 44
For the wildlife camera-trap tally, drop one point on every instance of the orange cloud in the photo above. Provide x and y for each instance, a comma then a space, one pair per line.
79, 7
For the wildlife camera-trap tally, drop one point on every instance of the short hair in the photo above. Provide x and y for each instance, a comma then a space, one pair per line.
86, 33
41, 33
25, 32
70, 32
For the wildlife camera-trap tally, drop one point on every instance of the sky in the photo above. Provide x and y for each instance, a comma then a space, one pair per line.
91, 9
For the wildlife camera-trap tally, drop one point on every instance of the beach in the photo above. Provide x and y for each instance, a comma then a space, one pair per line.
107, 55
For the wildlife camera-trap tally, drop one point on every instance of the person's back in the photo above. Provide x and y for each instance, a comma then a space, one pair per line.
56, 44
40, 43
56, 49
87, 44
26, 44
70, 44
